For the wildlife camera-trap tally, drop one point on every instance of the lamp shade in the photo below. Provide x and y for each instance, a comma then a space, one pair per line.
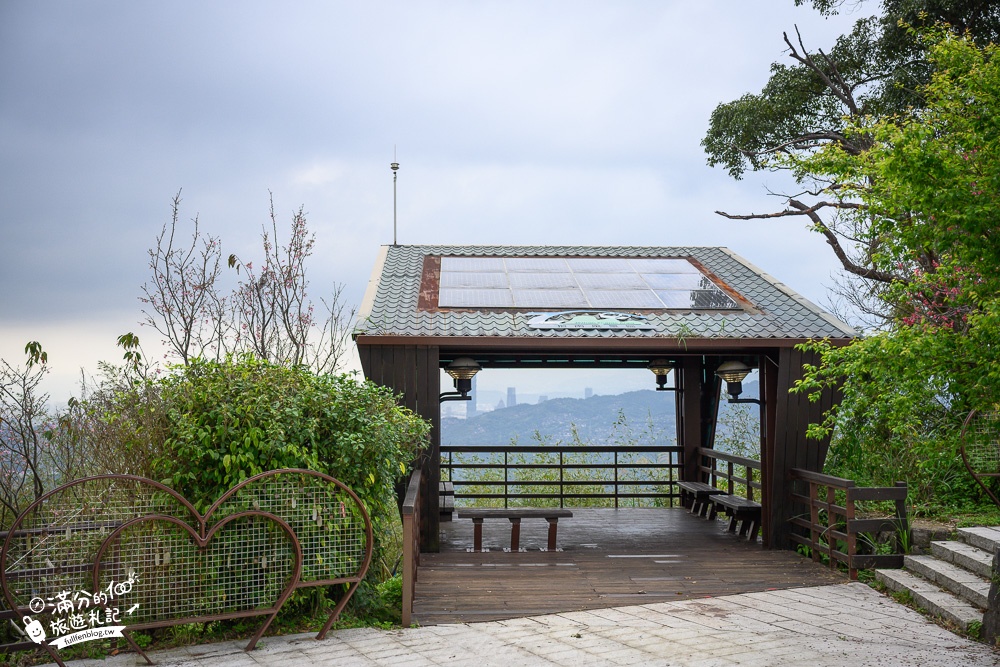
661, 369
463, 368
733, 371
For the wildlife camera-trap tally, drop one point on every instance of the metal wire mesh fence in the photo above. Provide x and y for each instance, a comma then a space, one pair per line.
128, 551
980, 449
328, 520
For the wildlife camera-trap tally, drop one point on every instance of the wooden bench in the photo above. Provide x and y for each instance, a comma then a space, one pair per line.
701, 494
746, 512
446, 496
514, 514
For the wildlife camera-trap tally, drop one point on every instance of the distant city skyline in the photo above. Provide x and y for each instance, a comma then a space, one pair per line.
491, 386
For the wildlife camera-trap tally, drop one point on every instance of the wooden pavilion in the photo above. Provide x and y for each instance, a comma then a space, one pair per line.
690, 309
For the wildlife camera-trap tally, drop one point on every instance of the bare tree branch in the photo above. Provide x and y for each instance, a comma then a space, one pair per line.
798, 208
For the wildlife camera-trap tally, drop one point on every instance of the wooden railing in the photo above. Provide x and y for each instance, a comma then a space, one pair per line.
712, 472
836, 535
411, 545
505, 473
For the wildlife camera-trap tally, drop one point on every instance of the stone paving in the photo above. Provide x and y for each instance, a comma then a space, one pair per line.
847, 624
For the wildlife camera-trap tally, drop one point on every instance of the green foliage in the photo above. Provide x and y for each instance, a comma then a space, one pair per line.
871, 71
738, 430
390, 592
928, 187
230, 420
828, 101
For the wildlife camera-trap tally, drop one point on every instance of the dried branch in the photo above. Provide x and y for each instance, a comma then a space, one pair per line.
798, 208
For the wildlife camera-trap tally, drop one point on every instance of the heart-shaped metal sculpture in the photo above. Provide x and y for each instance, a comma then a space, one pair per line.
95, 537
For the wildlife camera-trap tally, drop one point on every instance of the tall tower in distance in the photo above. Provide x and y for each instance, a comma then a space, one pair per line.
588, 392
511, 397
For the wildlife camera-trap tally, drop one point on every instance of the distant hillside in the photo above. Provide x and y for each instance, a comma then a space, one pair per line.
594, 418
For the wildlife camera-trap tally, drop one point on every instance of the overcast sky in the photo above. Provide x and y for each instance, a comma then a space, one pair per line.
514, 122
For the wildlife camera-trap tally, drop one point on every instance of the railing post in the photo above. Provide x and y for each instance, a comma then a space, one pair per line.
814, 519
616, 479
411, 546
852, 539
561, 488
506, 478
903, 523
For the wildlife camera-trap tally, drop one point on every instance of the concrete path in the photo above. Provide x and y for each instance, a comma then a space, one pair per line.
847, 624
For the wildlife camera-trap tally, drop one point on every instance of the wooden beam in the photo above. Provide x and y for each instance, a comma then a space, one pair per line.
659, 344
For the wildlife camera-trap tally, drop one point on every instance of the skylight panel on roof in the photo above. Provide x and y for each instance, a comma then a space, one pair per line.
473, 264
623, 299
475, 298
599, 265
675, 298
650, 265
549, 299
711, 300
469, 280
611, 281
578, 282
542, 281
536, 265
681, 281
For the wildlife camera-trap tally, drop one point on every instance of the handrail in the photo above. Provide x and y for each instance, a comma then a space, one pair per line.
411, 546
732, 458
712, 473
615, 485
842, 526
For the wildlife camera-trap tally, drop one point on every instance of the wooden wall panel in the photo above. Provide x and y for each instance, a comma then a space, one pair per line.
427, 376
791, 449
412, 372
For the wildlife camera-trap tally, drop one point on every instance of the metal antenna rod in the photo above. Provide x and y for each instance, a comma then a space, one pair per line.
395, 167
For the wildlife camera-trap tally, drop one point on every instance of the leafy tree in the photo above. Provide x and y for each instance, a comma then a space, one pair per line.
24, 419
269, 312
927, 187
823, 98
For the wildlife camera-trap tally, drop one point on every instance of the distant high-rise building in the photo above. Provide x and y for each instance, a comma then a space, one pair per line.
470, 407
511, 397
543, 398
588, 392
500, 405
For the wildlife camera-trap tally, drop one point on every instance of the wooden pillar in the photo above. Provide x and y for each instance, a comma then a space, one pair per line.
413, 372
792, 415
768, 371
687, 395
697, 410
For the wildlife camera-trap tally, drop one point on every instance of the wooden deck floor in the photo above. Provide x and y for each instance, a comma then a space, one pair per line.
610, 558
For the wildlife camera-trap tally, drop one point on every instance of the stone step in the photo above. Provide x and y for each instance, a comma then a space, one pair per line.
967, 585
986, 538
964, 555
928, 596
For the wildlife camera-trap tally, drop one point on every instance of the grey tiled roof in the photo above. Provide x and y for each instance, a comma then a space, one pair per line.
390, 307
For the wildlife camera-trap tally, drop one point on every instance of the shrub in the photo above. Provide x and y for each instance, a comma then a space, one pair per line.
230, 420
